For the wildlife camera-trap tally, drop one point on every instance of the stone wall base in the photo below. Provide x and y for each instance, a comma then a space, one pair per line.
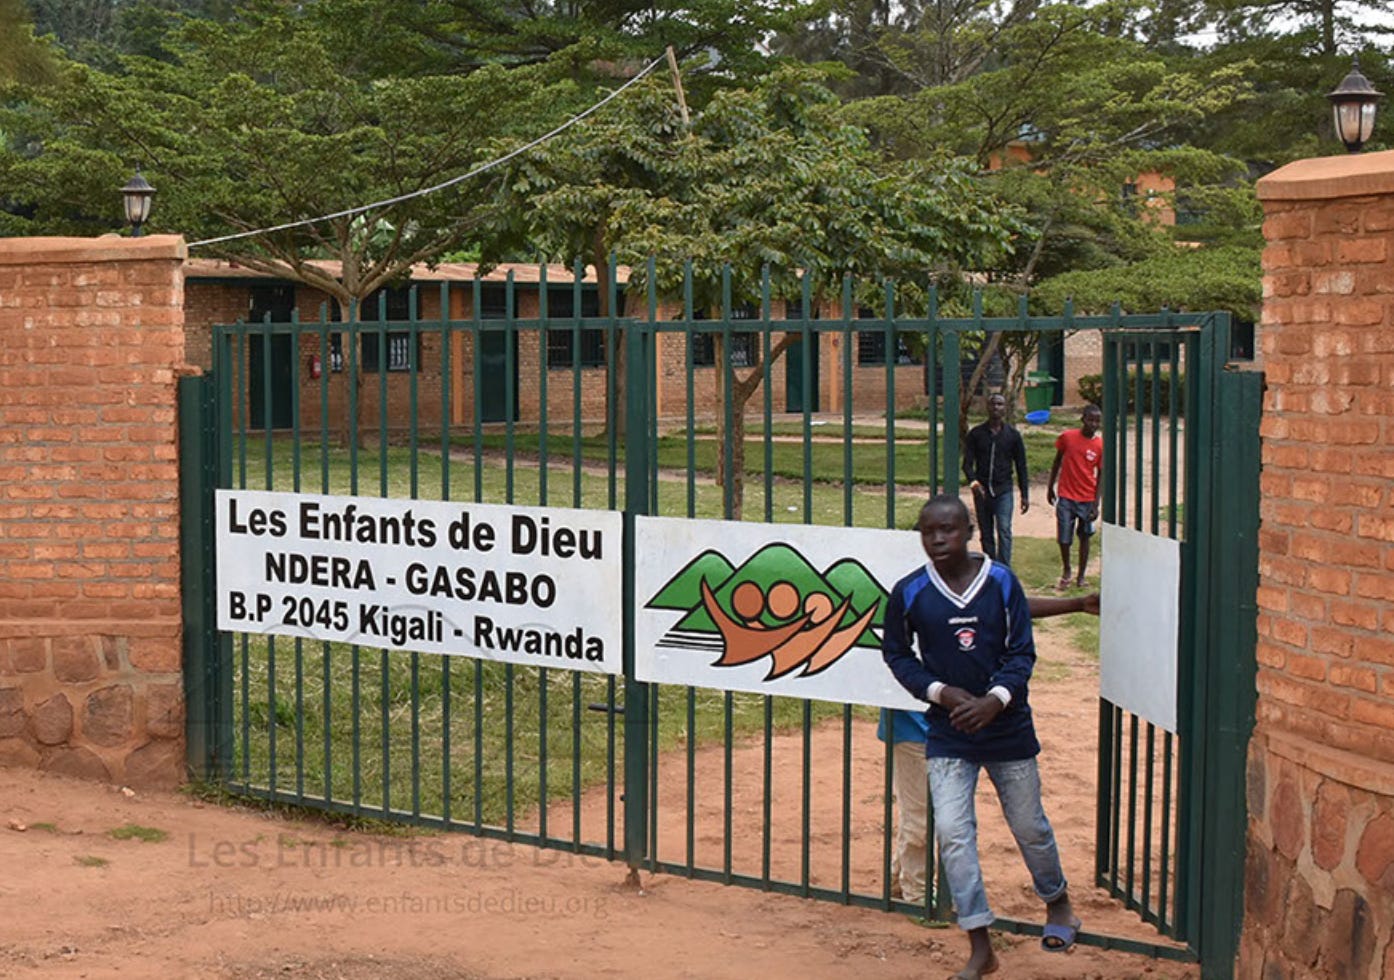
83, 705
1319, 875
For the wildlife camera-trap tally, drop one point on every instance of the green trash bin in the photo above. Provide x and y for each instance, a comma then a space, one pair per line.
1038, 390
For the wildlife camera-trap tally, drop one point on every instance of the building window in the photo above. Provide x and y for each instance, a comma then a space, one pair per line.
274, 302
561, 342
743, 347
1130, 199
397, 349
561, 349
389, 303
493, 300
871, 345
383, 306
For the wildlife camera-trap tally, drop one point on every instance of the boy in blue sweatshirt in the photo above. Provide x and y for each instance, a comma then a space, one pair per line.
971, 623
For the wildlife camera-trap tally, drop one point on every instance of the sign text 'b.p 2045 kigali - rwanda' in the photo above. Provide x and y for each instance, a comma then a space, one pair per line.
527, 585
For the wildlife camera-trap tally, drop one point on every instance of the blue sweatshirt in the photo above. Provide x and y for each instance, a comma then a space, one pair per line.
978, 641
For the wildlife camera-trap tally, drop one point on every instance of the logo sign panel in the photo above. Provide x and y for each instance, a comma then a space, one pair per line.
526, 585
784, 609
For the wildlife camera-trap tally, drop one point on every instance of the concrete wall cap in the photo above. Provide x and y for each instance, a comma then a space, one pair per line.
1328, 178
108, 248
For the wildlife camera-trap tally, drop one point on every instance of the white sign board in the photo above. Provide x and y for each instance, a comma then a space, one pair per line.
770, 608
1139, 623
525, 585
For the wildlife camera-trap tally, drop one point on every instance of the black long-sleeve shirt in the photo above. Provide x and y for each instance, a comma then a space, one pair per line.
989, 458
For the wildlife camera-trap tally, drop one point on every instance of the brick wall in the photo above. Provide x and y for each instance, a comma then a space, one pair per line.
1320, 872
91, 342
1084, 355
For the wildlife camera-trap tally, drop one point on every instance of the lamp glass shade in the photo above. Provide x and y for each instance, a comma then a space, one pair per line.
1353, 109
136, 195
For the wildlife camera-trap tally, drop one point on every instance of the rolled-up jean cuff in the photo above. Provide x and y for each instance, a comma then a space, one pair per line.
1064, 887
980, 921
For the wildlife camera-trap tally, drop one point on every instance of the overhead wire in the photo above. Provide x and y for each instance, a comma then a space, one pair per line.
422, 192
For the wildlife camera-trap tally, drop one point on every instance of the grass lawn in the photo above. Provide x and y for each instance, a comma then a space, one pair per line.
830, 459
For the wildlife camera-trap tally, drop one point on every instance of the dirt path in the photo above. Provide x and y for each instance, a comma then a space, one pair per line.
236, 893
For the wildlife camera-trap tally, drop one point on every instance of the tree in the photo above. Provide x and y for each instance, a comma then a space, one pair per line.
765, 178
23, 58
256, 124
601, 39
899, 48
1221, 278
1067, 114
1328, 21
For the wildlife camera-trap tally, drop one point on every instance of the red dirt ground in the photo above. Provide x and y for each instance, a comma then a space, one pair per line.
237, 893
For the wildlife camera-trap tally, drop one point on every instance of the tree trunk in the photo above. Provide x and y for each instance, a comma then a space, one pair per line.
965, 397
615, 404
741, 391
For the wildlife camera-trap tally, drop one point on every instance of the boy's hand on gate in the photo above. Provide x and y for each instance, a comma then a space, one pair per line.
976, 713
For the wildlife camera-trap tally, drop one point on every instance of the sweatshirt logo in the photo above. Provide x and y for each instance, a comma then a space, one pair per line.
966, 638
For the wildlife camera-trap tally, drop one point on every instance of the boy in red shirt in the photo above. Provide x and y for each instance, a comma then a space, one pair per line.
1079, 454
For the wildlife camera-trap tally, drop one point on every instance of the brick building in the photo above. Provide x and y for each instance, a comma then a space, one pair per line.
218, 292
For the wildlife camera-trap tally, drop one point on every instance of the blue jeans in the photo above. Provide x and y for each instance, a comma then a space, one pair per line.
952, 783
995, 524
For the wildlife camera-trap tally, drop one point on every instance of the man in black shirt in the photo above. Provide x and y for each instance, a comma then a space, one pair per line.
991, 452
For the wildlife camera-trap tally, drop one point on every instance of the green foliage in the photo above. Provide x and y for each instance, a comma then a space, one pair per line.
23, 58
1091, 390
134, 831
720, 39
766, 176
1072, 112
251, 123
1226, 278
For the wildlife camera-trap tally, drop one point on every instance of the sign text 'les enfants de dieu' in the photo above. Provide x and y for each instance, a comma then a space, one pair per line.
526, 585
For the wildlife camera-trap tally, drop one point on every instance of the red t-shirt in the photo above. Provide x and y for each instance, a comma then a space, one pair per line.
1079, 466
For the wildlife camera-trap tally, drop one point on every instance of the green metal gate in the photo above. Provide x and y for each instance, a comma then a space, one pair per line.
1182, 461
610, 766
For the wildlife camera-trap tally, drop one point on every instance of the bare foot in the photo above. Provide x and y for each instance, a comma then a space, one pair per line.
973, 972
981, 960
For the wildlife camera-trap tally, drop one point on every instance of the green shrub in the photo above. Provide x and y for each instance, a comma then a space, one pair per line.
1091, 389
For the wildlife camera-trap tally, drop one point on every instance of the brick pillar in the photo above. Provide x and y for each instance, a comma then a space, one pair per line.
1320, 867
91, 342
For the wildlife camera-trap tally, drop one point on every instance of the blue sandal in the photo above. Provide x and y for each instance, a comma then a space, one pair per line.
1058, 938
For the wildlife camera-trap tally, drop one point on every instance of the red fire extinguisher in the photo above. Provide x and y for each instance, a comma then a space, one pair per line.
316, 368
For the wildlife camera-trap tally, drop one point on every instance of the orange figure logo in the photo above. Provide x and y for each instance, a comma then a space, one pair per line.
776, 605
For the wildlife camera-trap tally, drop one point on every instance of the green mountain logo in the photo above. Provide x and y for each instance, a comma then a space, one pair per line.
850, 579
684, 590
846, 579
